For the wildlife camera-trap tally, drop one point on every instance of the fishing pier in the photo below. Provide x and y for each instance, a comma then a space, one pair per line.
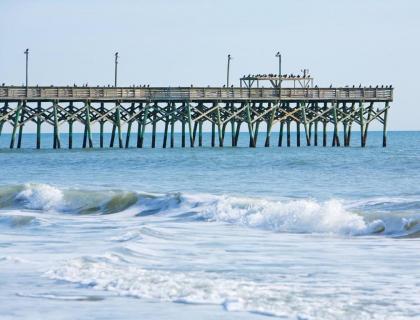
250, 108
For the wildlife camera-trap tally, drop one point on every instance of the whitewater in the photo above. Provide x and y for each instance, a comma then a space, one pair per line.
211, 233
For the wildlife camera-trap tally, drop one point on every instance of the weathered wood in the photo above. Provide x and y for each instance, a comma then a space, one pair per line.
101, 127
219, 126
281, 134
154, 127
213, 134
336, 141
118, 123
238, 132
165, 132
21, 122
250, 126
190, 125
305, 124
269, 126
324, 133
57, 143
362, 125
183, 133
200, 133
179, 94
87, 125
15, 124
225, 113
297, 133
129, 125
143, 126
38, 125
384, 134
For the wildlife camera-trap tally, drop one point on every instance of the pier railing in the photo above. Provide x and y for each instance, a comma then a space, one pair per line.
193, 94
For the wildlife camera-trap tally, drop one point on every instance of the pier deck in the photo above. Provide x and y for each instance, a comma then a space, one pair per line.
145, 107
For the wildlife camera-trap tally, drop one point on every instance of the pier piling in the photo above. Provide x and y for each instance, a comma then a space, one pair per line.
221, 108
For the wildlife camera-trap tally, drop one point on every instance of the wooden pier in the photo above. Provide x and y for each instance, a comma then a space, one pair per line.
311, 109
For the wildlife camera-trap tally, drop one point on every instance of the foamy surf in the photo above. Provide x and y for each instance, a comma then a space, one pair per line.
289, 215
286, 297
110, 274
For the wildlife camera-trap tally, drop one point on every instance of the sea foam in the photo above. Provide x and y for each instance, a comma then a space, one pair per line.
334, 216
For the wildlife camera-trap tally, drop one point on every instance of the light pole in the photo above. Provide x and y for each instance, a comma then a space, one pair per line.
228, 69
278, 55
116, 68
26, 86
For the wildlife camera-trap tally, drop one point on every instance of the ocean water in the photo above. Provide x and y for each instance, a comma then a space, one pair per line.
211, 233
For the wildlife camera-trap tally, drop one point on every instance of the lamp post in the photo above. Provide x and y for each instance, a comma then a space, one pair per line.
278, 55
26, 86
116, 68
228, 69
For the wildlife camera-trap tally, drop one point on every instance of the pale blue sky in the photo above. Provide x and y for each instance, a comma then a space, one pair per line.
185, 42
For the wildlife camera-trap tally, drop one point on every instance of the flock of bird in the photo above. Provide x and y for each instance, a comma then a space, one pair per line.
224, 86
273, 75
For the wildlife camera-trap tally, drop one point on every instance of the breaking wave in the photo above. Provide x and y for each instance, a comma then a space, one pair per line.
395, 217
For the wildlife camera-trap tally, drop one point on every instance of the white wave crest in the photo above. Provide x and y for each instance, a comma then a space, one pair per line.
298, 216
40, 197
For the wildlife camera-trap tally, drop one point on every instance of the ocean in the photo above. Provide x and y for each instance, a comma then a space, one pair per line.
211, 233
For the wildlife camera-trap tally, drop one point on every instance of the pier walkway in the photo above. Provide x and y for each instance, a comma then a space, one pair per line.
233, 108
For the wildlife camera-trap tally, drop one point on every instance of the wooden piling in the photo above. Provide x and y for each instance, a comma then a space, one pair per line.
384, 133
324, 133
281, 134
101, 127
21, 124
129, 125
193, 107
87, 124
57, 143
336, 141
297, 133
213, 134
154, 126
362, 125
38, 125
305, 124
250, 127
200, 133
15, 124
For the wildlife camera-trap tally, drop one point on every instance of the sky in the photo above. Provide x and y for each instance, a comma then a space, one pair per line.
184, 42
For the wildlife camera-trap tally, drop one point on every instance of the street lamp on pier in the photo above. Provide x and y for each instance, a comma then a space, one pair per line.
278, 55
229, 57
116, 68
26, 82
